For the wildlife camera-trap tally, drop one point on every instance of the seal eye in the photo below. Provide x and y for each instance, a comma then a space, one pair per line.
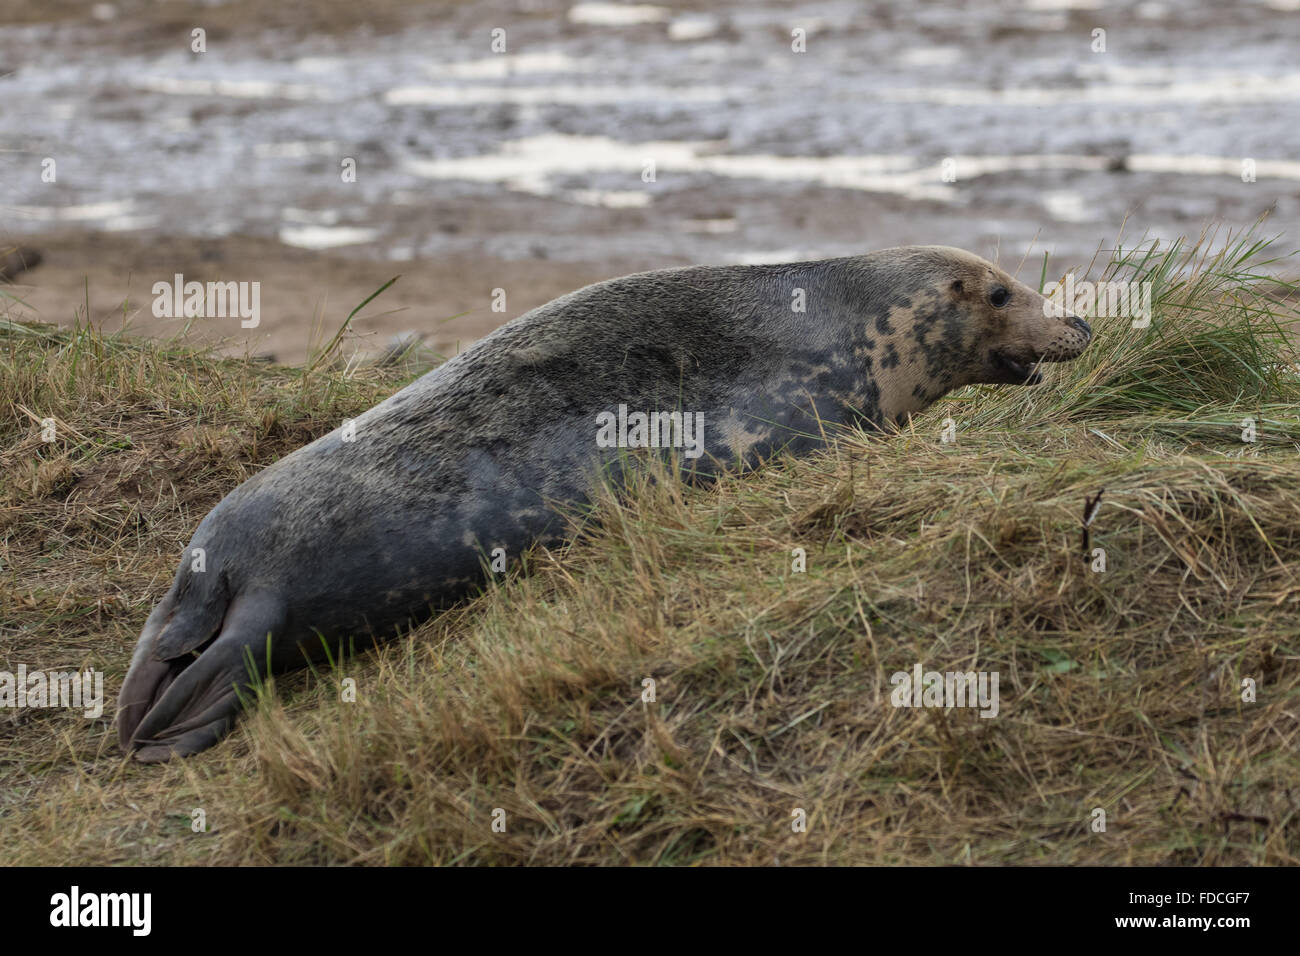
999, 297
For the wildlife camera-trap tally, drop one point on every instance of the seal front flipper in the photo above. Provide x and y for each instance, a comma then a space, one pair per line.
173, 703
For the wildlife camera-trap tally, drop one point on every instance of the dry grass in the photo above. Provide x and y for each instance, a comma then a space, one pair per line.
1120, 690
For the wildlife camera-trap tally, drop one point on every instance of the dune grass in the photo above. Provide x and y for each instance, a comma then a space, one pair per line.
1120, 690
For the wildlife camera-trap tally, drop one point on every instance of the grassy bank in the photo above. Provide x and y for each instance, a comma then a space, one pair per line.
1120, 690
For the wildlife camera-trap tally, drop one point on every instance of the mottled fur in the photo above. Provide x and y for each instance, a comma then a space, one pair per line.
361, 537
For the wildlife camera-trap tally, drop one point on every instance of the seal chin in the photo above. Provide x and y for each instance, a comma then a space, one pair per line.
1006, 369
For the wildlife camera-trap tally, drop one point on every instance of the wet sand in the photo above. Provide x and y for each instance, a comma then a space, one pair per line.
305, 295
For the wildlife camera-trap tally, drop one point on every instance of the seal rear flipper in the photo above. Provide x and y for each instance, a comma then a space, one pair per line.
199, 703
194, 735
146, 678
194, 622
188, 617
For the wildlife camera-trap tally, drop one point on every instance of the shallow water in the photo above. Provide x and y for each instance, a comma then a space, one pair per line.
758, 152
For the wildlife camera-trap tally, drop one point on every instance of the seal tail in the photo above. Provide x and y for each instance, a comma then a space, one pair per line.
174, 703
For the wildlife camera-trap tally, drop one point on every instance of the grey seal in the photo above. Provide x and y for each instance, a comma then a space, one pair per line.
383, 521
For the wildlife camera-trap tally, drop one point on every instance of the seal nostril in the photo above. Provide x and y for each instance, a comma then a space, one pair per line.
1079, 324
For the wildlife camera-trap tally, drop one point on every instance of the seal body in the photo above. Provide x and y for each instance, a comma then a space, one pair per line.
379, 523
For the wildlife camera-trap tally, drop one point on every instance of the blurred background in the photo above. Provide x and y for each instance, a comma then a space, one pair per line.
607, 138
